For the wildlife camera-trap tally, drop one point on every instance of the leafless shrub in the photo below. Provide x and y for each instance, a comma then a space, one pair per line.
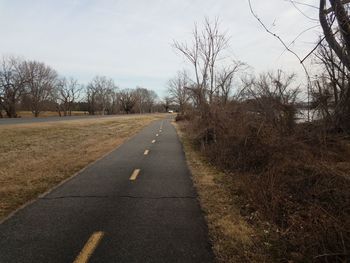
292, 181
272, 97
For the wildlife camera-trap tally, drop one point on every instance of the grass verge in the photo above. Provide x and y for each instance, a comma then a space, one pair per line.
233, 239
35, 157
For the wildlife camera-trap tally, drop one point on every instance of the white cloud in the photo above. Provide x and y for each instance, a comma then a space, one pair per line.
131, 40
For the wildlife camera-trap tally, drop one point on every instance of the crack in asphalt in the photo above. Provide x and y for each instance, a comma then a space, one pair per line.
118, 196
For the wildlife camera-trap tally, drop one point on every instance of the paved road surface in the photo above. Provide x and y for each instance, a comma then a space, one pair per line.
103, 216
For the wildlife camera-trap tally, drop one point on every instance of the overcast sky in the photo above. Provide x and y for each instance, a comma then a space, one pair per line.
131, 40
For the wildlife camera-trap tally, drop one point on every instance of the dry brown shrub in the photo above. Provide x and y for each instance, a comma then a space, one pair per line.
182, 117
298, 182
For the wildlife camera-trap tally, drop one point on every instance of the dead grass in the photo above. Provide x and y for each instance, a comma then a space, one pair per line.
233, 239
36, 157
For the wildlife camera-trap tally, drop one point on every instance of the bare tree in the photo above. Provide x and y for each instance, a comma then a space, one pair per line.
13, 81
105, 89
1, 109
322, 95
273, 97
167, 101
335, 57
68, 91
145, 99
336, 71
150, 100
204, 54
225, 78
91, 97
128, 100
178, 90
338, 39
41, 83
114, 103
140, 96
100, 92
335, 23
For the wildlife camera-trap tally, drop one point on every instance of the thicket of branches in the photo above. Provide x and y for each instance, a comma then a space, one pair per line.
252, 125
37, 87
331, 92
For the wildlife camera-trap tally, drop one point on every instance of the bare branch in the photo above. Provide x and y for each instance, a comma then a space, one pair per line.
289, 50
301, 12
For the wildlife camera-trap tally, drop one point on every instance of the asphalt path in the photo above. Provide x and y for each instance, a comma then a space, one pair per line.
137, 204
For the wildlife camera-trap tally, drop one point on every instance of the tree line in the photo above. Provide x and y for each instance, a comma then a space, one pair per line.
35, 86
247, 125
217, 79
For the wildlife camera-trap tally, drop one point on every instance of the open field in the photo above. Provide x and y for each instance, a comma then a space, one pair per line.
35, 157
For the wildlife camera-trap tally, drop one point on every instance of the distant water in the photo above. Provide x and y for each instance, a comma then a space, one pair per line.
302, 116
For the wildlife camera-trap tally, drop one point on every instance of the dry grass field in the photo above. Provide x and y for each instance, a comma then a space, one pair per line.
36, 157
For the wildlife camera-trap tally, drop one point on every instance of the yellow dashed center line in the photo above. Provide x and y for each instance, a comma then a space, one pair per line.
134, 174
89, 247
146, 152
153, 141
